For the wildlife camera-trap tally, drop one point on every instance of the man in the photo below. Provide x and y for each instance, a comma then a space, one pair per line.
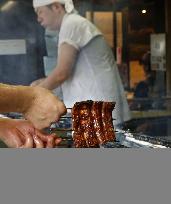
86, 69
38, 105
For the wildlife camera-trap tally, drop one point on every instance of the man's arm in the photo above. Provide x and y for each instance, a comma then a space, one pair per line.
66, 60
15, 98
37, 104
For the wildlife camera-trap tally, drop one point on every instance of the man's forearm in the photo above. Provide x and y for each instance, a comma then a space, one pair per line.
55, 79
15, 98
63, 70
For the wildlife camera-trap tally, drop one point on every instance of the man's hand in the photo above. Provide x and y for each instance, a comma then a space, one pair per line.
39, 105
48, 141
22, 134
44, 109
37, 82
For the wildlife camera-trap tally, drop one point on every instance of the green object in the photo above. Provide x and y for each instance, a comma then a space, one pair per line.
2, 145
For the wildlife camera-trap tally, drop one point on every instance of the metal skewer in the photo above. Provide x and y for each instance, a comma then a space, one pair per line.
64, 129
61, 129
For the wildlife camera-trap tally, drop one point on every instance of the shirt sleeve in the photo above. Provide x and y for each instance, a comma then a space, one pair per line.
77, 32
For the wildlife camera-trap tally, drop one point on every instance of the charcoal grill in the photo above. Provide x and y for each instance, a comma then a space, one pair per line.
124, 139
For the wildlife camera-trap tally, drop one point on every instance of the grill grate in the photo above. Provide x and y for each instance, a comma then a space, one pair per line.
124, 139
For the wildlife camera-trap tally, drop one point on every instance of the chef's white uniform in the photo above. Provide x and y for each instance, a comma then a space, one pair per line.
95, 75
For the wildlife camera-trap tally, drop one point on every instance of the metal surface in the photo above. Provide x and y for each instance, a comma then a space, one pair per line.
124, 139
134, 140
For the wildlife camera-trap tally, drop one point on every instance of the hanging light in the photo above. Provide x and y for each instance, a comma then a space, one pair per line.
144, 11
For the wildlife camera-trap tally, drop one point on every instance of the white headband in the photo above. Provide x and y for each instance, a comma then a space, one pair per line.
69, 6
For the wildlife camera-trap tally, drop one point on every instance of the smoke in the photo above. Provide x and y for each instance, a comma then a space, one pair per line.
18, 21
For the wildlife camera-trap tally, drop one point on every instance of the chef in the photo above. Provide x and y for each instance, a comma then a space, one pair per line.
86, 68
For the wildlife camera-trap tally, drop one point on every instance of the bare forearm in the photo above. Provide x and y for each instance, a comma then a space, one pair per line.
15, 98
66, 60
55, 79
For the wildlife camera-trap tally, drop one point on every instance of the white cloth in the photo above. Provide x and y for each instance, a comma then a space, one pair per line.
69, 6
3, 116
77, 31
95, 74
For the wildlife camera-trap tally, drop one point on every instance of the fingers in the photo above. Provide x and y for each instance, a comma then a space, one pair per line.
62, 110
49, 141
45, 108
58, 141
24, 135
28, 142
31, 140
38, 142
42, 136
53, 141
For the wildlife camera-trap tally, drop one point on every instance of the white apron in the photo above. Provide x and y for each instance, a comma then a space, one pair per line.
95, 75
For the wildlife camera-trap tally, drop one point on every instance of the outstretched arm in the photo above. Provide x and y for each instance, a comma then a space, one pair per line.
37, 104
66, 60
15, 98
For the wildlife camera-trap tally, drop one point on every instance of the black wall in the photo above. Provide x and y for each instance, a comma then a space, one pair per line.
19, 22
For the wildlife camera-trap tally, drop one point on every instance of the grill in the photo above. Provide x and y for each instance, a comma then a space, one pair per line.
124, 139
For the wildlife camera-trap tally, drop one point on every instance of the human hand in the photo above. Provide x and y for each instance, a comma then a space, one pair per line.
22, 134
37, 82
44, 109
47, 141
